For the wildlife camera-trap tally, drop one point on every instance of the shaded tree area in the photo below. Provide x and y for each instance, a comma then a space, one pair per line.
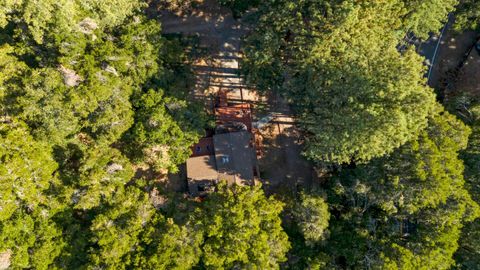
406, 210
467, 108
90, 91
357, 96
239, 7
467, 16
398, 198
307, 223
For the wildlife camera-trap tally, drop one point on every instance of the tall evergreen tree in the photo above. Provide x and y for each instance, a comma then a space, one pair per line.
356, 95
71, 71
405, 211
27, 174
242, 229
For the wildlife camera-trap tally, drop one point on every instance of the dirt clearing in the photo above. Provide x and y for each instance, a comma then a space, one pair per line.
220, 35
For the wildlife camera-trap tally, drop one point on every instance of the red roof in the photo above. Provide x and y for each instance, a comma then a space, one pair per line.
222, 98
235, 113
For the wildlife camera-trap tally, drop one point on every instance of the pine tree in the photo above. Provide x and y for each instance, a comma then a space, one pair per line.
405, 211
242, 229
357, 96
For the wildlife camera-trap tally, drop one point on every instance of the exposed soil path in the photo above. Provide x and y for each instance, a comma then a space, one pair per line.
221, 36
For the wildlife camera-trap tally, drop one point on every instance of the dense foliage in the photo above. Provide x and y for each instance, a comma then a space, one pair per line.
357, 96
73, 88
467, 16
242, 230
94, 107
361, 99
26, 176
467, 108
311, 215
423, 17
402, 211
406, 210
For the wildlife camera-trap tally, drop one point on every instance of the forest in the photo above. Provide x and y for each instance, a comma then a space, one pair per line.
95, 107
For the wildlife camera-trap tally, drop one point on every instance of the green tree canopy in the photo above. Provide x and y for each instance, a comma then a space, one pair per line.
167, 245
40, 19
405, 211
127, 232
467, 16
131, 233
424, 17
89, 90
27, 173
71, 71
356, 95
98, 175
468, 108
312, 216
242, 229
84, 82
157, 135
27, 170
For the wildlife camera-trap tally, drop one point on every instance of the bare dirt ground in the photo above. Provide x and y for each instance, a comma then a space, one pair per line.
281, 166
469, 76
284, 170
220, 35
451, 55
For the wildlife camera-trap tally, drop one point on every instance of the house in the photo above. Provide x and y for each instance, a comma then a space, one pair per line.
234, 160
228, 154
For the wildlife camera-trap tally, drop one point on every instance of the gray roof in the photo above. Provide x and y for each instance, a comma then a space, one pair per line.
201, 172
233, 162
202, 168
235, 157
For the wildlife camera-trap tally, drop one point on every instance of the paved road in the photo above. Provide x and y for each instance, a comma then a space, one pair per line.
430, 48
